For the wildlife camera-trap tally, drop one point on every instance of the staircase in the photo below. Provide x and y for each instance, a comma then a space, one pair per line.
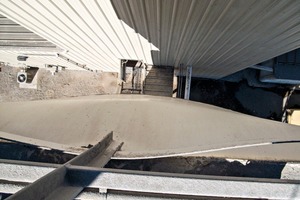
159, 81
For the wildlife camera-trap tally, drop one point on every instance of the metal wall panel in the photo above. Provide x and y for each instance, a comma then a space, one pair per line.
216, 37
16, 40
89, 31
13, 35
38, 59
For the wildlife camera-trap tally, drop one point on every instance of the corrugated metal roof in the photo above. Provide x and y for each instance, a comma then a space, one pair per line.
89, 30
217, 37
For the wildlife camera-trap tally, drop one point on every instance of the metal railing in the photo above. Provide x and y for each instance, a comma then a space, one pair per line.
132, 77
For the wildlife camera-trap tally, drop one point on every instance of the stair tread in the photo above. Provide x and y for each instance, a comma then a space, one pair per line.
159, 81
158, 85
158, 93
162, 91
159, 77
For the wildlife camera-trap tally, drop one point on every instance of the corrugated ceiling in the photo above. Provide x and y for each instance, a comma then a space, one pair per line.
216, 37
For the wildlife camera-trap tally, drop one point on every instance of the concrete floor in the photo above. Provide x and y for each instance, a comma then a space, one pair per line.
149, 126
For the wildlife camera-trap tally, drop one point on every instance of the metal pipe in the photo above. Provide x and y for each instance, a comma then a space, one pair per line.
262, 68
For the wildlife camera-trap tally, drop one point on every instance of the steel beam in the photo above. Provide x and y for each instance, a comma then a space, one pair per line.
161, 184
73, 62
188, 80
56, 185
182, 184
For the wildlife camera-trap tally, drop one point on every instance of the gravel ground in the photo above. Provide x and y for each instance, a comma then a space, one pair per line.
61, 85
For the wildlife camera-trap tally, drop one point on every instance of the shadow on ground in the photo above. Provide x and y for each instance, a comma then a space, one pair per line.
264, 102
186, 165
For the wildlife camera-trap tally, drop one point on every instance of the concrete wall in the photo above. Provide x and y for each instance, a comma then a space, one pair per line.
63, 84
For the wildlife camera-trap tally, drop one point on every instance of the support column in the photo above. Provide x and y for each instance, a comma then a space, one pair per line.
188, 82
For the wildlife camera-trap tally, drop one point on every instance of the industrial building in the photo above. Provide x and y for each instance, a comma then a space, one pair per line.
147, 59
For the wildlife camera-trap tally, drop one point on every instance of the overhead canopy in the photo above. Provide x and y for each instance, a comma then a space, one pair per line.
217, 38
